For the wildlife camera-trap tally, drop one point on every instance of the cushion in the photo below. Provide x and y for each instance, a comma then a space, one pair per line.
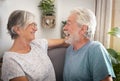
57, 56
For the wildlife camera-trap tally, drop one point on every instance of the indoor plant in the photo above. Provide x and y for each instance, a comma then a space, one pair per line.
47, 13
62, 32
115, 56
47, 7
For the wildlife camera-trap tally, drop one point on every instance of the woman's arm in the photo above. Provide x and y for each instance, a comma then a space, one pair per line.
23, 78
56, 43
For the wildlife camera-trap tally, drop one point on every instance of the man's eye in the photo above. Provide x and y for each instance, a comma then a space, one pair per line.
68, 23
34, 24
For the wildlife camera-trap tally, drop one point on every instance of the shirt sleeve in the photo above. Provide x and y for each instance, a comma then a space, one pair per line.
41, 43
100, 63
10, 69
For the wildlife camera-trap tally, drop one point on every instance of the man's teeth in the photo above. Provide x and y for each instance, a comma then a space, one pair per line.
66, 33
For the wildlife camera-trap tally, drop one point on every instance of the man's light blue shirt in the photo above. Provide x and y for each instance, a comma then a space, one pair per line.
89, 63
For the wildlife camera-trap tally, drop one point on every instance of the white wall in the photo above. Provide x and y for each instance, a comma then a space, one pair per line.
63, 8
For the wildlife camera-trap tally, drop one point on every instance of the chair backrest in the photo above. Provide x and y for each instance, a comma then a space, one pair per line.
57, 56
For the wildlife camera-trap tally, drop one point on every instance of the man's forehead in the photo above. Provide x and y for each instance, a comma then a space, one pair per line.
72, 17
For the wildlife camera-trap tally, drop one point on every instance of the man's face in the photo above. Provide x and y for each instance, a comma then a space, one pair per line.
71, 29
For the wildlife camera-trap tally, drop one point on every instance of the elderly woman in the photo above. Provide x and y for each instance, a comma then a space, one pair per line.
27, 59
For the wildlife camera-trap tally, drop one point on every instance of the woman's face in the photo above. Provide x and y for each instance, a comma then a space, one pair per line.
28, 32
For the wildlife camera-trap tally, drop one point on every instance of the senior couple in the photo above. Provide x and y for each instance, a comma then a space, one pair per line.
27, 59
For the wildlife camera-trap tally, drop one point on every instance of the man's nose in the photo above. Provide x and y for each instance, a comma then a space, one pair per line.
65, 28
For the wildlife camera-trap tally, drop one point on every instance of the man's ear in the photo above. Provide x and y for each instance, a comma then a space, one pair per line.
84, 29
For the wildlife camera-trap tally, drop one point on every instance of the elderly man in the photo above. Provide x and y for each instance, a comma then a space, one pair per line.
86, 60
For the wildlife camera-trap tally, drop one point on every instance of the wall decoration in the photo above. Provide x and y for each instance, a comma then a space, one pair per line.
48, 13
48, 21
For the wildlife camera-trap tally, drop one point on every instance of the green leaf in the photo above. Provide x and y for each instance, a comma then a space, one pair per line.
47, 7
112, 52
118, 57
64, 23
114, 60
115, 32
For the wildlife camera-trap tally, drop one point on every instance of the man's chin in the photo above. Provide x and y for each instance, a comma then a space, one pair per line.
69, 41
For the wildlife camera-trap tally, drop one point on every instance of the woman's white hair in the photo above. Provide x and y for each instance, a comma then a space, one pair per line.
86, 17
19, 18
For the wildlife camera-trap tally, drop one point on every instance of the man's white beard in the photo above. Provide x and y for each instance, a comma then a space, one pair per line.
69, 40
73, 38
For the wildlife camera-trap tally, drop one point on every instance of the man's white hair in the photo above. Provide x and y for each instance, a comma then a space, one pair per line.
86, 17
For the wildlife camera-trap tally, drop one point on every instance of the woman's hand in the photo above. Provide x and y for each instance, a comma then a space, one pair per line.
56, 43
23, 78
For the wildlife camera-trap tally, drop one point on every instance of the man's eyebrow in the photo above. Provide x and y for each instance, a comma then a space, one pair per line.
68, 21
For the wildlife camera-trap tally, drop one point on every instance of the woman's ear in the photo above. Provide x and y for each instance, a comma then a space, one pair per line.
16, 29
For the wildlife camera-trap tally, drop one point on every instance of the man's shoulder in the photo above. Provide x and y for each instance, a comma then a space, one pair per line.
95, 44
70, 47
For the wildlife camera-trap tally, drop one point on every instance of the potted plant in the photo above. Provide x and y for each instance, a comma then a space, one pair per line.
115, 56
62, 32
47, 8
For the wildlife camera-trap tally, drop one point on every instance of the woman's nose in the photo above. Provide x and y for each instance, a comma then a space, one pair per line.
35, 28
